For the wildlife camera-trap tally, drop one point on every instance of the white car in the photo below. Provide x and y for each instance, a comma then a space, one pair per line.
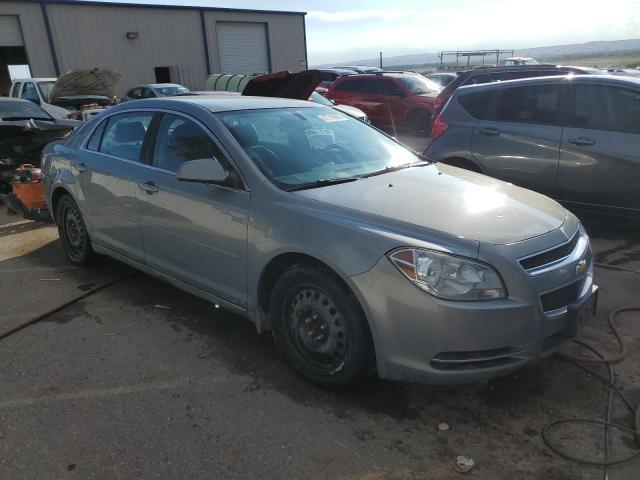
78, 94
38, 91
519, 61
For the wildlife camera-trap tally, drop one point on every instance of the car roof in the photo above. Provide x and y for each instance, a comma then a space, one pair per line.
219, 103
604, 79
42, 79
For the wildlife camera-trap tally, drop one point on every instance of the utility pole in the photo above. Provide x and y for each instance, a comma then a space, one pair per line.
380, 60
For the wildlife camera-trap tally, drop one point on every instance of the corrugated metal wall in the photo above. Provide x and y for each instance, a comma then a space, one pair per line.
95, 35
34, 35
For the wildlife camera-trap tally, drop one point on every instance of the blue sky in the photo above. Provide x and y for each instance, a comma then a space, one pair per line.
348, 30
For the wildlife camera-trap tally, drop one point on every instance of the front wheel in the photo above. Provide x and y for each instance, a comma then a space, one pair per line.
319, 327
73, 232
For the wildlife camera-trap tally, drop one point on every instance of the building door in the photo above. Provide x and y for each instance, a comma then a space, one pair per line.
243, 47
167, 74
12, 52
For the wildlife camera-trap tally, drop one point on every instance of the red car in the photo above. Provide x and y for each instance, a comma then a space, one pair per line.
389, 99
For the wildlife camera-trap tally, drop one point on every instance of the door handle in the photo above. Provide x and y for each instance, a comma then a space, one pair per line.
489, 131
82, 167
581, 141
148, 187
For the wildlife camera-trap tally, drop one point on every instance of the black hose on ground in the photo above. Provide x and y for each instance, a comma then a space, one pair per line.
44, 315
598, 358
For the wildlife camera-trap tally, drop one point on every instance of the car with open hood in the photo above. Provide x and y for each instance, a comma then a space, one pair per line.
85, 92
360, 256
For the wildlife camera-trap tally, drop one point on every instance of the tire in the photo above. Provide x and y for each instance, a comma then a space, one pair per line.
320, 328
73, 232
420, 123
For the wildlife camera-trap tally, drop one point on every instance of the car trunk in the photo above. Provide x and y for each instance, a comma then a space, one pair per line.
298, 86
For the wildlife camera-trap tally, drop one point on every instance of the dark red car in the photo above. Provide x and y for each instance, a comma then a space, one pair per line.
390, 99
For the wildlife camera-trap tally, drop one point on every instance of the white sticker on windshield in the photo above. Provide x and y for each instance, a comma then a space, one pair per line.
332, 117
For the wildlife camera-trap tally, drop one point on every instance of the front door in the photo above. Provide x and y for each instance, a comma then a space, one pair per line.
108, 174
194, 232
519, 138
600, 153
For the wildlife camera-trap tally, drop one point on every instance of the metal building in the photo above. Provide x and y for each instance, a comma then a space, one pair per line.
146, 43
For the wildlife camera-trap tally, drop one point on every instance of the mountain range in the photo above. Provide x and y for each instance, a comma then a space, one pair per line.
541, 53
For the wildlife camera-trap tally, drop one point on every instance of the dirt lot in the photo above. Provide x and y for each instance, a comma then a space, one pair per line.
144, 381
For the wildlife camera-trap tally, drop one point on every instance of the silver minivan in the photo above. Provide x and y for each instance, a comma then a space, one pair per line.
357, 254
575, 138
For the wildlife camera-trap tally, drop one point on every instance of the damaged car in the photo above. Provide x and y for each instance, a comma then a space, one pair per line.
361, 257
85, 92
25, 129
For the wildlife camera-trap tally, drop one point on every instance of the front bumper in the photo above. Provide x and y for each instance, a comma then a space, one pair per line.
420, 338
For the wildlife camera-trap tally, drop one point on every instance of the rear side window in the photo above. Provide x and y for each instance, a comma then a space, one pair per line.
180, 140
124, 134
16, 89
94, 142
478, 104
135, 93
359, 86
539, 104
602, 107
328, 76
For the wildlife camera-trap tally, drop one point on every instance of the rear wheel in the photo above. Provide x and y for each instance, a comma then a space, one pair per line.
319, 327
73, 232
420, 123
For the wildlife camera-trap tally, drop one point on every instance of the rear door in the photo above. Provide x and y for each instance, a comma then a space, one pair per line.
194, 232
600, 152
108, 173
518, 140
361, 93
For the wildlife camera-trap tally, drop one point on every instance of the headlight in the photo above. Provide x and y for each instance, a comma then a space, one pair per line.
447, 276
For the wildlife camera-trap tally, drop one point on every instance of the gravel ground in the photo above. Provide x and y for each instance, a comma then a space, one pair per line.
144, 381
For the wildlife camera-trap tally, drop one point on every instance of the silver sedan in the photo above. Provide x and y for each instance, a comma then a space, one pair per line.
357, 254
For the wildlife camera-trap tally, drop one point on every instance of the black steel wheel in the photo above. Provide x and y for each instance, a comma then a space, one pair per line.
73, 232
320, 328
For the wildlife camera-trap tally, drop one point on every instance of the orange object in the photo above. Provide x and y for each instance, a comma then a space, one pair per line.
30, 194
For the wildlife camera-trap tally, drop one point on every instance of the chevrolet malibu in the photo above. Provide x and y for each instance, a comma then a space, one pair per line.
357, 254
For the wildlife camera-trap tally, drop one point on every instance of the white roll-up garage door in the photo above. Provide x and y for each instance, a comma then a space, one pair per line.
10, 34
243, 47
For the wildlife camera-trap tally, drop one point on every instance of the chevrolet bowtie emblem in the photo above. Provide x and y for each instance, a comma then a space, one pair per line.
581, 267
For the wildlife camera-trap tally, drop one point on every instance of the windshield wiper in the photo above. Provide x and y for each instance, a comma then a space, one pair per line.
323, 182
399, 167
15, 119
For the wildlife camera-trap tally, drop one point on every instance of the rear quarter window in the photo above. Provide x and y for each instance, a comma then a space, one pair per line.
477, 104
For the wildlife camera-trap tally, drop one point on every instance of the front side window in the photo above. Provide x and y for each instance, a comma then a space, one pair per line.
539, 104
419, 85
124, 134
301, 147
180, 140
30, 93
170, 91
602, 107
147, 93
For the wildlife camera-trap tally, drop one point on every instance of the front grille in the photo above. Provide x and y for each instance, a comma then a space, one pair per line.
552, 255
561, 297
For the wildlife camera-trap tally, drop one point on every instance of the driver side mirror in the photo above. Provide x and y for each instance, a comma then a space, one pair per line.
207, 170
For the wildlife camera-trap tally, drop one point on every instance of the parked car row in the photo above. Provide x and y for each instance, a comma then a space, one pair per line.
575, 138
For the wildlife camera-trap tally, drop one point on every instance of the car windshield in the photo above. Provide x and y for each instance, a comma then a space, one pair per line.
418, 85
306, 147
171, 91
22, 111
317, 98
45, 89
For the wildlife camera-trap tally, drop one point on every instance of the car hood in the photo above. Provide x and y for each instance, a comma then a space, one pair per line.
85, 82
451, 200
298, 86
349, 110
